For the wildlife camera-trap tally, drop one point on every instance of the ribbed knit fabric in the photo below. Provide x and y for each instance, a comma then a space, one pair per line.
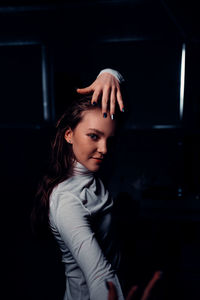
80, 219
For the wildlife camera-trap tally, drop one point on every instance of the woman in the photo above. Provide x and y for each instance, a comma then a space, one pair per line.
73, 201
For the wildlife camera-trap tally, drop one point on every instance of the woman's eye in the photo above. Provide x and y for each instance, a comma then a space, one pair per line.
93, 136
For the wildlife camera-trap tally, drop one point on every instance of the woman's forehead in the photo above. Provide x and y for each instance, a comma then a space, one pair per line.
93, 119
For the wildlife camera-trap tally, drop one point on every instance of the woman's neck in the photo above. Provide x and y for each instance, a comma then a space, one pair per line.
79, 169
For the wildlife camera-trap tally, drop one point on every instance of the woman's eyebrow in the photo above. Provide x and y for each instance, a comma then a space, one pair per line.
97, 131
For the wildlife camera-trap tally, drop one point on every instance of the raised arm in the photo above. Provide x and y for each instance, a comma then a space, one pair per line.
107, 86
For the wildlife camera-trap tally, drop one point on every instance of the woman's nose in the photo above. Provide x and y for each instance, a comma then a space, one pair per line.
102, 147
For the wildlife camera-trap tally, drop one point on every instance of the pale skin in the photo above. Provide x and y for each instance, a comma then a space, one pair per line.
107, 87
90, 138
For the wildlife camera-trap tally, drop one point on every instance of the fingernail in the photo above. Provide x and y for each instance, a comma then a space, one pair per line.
105, 115
112, 117
94, 103
122, 109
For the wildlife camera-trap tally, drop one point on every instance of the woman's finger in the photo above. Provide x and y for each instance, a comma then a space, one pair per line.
157, 275
95, 96
132, 292
120, 100
105, 99
86, 90
112, 103
112, 295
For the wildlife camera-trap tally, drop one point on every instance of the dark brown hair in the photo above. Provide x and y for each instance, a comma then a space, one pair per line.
60, 164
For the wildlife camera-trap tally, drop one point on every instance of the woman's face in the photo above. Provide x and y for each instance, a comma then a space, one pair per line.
90, 138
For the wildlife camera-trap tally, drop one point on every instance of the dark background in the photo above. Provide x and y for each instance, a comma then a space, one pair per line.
47, 48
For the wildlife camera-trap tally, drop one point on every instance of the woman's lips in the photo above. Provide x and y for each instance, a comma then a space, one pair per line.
98, 159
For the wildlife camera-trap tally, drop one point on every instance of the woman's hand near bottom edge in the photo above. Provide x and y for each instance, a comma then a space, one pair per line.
112, 295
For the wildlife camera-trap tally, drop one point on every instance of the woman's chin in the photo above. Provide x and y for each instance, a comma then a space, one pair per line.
94, 166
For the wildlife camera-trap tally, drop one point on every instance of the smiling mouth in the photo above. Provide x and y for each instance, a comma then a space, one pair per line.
98, 159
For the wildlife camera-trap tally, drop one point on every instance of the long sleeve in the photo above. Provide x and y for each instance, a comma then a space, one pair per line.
115, 73
72, 221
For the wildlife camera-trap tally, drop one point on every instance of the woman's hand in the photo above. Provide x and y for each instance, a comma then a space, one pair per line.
112, 295
107, 86
157, 275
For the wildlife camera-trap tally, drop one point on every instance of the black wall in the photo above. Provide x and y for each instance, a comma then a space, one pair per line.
47, 48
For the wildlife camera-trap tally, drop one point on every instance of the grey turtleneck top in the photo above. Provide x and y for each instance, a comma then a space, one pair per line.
80, 219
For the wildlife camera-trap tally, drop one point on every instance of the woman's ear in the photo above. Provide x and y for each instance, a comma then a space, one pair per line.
68, 135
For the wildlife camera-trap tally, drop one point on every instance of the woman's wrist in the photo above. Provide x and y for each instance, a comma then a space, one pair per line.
115, 73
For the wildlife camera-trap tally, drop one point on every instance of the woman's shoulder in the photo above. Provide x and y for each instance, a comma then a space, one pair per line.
66, 192
65, 200
64, 187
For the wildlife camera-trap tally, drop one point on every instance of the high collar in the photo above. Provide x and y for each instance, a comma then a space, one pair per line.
79, 169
